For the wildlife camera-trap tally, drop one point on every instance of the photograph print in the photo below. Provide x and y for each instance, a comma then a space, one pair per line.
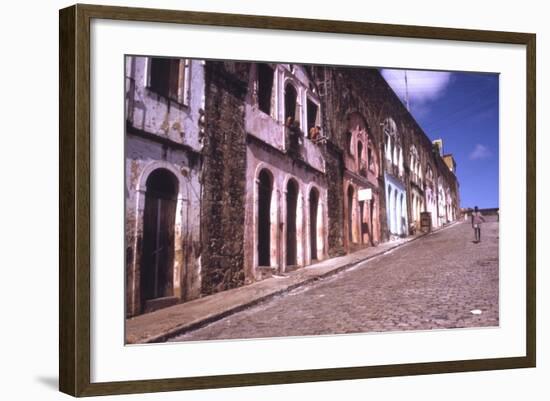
271, 199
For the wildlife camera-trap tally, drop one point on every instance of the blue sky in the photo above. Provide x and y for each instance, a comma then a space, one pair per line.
462, 109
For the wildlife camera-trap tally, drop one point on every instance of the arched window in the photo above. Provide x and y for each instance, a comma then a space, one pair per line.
370, 160
414, 166
349, 138
390, 132
388, 147
429, 174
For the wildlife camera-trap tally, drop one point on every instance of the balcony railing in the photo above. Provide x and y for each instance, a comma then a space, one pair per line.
299, 147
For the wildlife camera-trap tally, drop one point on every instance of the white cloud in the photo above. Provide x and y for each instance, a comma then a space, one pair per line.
423, 86
480, 152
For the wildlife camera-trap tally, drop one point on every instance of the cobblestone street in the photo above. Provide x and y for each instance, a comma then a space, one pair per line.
432, 283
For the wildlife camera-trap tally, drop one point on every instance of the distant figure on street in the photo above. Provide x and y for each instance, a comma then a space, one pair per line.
477, 219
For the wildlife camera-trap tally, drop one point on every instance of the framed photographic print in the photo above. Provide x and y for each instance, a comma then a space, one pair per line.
250, 200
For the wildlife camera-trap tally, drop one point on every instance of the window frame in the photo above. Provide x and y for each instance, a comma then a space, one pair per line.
184, 80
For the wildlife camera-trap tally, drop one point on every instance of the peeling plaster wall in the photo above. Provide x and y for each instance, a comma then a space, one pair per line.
282, 168
269, 147
142, 157
217, 144
147, 111
270, 128
151, 145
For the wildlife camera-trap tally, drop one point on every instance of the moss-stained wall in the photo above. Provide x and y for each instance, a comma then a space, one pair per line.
224, 172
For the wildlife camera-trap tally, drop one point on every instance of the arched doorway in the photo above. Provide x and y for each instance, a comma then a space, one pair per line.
402, 216
350, 213
265, 189
372, 239
313, 211
396, 212
159, 218
291, 237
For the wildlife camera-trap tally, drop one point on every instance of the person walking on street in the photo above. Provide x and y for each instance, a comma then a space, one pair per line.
477, 219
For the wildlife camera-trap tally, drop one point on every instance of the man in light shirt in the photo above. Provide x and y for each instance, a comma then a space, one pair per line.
477, 219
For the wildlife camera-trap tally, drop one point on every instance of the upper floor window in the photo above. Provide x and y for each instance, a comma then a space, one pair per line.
370, 159
414, 165
169, 77
265, 87
390, 127
429, 173
349, 137
388, 147
400, 162
291, 106
312, 115
393, 151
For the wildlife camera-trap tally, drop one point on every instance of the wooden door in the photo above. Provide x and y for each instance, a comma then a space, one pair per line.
158, 236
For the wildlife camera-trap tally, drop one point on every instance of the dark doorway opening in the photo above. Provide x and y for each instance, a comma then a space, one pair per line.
350, 214
362, 224
291, 239
265, 189
313, 207
159, 218
371, 221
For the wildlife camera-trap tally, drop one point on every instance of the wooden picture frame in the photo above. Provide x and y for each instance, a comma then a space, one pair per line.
75, 200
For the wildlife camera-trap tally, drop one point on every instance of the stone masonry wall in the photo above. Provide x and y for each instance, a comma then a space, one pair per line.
223, 178
335, 200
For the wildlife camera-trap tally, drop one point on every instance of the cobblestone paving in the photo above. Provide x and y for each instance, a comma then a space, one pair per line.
432, 283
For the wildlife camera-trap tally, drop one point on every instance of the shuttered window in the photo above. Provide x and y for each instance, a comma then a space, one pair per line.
170, 78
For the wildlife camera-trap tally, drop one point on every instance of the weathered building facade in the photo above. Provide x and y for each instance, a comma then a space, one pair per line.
353, 161
164, 130
238, 171
286, 192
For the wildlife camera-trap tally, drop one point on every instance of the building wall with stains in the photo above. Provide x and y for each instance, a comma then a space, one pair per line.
274, 167
286, 227
163, 136
394, 132
282, 171
354, 158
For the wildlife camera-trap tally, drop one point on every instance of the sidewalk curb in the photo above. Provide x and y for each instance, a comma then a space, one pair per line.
197, 324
